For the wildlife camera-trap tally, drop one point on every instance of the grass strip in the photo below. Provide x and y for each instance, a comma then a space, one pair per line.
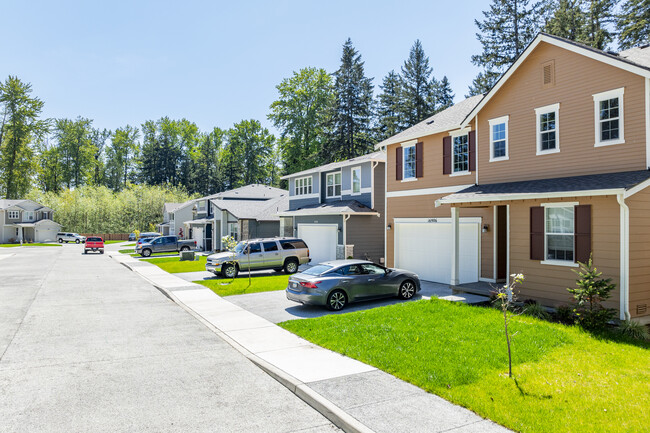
240, 286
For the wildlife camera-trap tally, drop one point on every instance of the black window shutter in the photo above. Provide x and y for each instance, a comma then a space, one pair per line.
582, 229
398, 163
537, 233
471, 138
419, 165
446, 155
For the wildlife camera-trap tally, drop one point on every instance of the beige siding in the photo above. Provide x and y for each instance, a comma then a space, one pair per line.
577, 79
366, 233
639, 205
432, 176
548, 283
424, 207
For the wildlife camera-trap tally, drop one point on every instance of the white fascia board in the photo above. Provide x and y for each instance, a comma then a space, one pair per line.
288, 214
415, 137
531, 196
427, 191
565, 45
643, 185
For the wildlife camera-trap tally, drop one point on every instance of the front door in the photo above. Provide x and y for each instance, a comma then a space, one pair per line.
254, 258
208, 237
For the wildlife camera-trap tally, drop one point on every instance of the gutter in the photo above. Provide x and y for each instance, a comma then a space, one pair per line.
624, 258
531, 196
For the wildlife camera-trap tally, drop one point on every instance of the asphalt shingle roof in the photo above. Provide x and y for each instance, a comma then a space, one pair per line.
374, 156
622, 180
342, 207
254, 209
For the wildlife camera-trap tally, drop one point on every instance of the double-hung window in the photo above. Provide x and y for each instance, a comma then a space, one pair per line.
356, 180
608, 113
28, 215
460, 154
303, 186
499, 138
13, 214
334, 184
409, 162
233, 230
559, 221
547, 129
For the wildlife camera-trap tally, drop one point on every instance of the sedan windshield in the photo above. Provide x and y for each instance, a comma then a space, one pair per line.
317, 270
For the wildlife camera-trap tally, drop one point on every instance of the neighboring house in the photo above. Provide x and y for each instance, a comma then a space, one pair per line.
246, 213
549, 167
27, 221
338, 209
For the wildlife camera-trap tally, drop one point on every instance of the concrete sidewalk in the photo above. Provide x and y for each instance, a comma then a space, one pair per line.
354, 396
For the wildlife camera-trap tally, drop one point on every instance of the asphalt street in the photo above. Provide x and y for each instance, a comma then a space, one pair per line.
87, 345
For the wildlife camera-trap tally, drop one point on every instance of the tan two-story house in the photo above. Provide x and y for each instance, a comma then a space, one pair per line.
548, 168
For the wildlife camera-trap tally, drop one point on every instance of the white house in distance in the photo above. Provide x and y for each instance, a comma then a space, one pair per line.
27, 221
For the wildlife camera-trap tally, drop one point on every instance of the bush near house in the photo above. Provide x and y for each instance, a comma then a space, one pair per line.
458, 352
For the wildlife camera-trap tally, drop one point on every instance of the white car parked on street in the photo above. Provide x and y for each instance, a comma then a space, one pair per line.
70, 237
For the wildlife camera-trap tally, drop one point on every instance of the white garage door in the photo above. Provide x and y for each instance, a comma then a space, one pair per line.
321, 240
425, 248
46, 234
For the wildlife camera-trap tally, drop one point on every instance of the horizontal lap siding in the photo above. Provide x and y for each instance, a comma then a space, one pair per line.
424, 207
548, 283
639, 205
577, 79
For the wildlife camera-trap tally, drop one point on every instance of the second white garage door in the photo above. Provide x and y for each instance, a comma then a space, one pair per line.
321, 240
425, 248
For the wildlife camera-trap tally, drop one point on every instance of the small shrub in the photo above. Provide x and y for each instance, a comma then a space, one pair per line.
564, 314
592, 290
634, 330
536, 310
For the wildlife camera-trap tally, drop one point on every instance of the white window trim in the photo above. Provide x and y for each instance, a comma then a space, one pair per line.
10, 214
333, 184
572, 264
497, 121
615, 93
404, 147
295, 186
358, 167
454, 134
538, 134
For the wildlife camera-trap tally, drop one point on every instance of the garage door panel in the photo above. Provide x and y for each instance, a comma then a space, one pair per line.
425, 248
321, 240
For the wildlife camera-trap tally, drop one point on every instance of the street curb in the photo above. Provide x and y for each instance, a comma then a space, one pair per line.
325, 407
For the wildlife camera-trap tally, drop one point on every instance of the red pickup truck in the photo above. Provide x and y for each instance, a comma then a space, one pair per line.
94, 243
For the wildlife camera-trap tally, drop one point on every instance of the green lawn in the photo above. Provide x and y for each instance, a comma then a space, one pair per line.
29, 245
566, 380
127, 251
240, 286
117, 242
173, 265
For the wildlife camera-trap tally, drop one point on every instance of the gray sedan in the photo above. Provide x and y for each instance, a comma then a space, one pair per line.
336, 283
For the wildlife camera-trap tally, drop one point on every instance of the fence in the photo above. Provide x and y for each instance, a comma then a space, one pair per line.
109, 236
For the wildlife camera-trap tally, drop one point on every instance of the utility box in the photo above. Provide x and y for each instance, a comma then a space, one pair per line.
187, 256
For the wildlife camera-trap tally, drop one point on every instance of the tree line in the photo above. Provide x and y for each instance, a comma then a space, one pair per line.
321, 117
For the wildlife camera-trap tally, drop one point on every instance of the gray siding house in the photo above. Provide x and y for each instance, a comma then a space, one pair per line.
338, 209
26, 220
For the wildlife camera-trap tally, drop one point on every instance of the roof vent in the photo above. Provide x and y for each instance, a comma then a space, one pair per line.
548, 73
644, 46
430, 122
613, 53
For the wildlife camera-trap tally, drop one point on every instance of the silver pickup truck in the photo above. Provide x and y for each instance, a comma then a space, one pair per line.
271, 253
164, 244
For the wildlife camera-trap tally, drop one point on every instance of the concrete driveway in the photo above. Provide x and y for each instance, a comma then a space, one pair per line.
276, 308
87, 345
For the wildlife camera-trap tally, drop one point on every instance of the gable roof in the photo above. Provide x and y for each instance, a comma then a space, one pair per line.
253, 191
4, 204
170, 207
374, 156
446, 120
572, 186
254, 209
635, 60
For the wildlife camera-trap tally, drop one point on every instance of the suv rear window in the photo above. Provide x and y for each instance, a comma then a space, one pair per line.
94, 239
292, 244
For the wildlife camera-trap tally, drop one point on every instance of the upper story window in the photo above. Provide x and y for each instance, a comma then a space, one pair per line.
28, 215
608, 113
409, 162
13, 214
559, 232
547, 129
303, 185
460, 153
356, 180
334, 184
499, 138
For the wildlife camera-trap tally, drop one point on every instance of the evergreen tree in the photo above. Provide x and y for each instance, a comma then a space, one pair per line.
443, 95
301, 113
389, 111
567, 20
508, 26
417, 86
20, 127
98, 139
634, 23
121, 156
207, 163
350, 124
600, 15
74, 139
50, 167
255, 146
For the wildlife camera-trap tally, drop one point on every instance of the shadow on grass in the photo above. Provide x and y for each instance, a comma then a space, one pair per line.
528, 394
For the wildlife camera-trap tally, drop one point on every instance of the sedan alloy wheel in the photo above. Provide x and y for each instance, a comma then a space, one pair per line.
407, 290
336, 300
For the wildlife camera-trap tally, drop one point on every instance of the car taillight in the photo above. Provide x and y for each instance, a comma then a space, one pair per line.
194, 243
310, 285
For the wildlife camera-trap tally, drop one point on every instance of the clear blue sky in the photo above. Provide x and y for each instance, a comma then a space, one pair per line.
215, 62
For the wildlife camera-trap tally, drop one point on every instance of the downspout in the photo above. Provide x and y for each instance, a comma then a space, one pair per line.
624, 258
372, 183
346, 217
